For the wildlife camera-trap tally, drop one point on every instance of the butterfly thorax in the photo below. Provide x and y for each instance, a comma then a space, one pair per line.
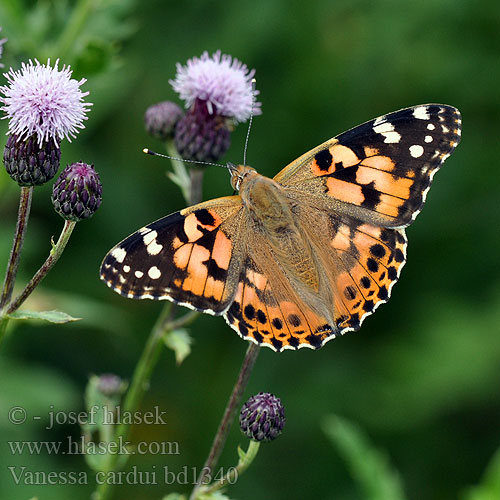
272, 214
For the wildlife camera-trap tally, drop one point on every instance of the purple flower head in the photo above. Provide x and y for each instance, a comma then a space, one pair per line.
262, 417
44, 101
2, 41
224, 83
77, 192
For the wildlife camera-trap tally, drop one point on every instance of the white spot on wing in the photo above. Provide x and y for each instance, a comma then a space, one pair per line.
149, 237
421, 113
428, 138
154, 273
139, 274
119, 254
154, 248
431, 126
387, 130
126, 269
416, 150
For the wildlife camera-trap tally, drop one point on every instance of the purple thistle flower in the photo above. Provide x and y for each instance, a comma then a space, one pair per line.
224, 83
43, 101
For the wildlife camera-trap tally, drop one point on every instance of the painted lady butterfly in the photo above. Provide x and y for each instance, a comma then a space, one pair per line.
296, 260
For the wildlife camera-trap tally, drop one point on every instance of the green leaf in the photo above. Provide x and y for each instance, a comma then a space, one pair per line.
369, 466
180, 342
242, 454
174, 496
489, 488
50, 316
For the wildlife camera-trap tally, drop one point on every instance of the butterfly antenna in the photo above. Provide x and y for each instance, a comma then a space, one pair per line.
154, 153
249, 123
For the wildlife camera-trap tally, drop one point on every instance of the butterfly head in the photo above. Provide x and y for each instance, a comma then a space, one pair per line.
239, 173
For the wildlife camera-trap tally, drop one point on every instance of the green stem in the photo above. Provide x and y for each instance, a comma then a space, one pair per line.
53, 257
15, 254
228, 417
232, 476
196, 175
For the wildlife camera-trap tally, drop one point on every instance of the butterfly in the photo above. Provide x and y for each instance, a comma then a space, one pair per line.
299, 259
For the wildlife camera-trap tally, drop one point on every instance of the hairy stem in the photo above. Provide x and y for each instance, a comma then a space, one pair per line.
228, 417
53, 257
15, 254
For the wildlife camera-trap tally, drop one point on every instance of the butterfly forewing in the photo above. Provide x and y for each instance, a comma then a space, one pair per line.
187, 257
380, 171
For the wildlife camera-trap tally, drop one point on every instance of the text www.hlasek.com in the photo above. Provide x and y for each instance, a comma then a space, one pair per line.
82, 446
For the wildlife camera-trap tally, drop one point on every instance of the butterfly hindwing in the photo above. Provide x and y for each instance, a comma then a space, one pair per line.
187, 257
380, 171
361, 262
266, 314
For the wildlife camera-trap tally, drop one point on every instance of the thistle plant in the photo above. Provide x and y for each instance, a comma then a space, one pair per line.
44, 106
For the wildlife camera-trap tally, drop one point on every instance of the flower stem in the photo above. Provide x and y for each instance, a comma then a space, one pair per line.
144, 369
53, 257
228, 417
196, 174
15, 254
232, 476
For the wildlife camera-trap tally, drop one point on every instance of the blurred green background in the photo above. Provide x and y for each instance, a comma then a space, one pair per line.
422, 376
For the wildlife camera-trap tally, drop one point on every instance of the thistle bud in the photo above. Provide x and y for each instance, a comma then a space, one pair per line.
201, 135
30, 163
110, 385
77, 192
262, 417
160, 119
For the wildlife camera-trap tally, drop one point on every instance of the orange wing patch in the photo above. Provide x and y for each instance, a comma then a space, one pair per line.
372, 258
185, 257
259, 315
